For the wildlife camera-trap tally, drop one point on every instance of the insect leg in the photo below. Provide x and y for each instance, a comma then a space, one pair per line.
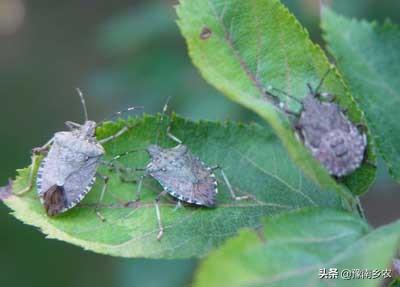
171, 136
178, 205
72, 125
121, 170
44, 148
34, 158
283, 106
228, 184
30, 178
158, 214
139, 187
103, 190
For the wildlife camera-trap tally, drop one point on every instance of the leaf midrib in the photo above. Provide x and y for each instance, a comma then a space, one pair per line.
227, 37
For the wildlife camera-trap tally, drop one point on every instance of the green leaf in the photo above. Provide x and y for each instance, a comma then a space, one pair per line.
369, 56
294, 246
242, 47
252, 159
395, 283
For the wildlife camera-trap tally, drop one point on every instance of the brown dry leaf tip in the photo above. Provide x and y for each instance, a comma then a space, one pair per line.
205, 33
6, 191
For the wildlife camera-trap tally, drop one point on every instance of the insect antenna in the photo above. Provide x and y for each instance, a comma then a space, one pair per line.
163, 112
110, 163
323, 79
280, 104
119, 113
83, 104
286, 94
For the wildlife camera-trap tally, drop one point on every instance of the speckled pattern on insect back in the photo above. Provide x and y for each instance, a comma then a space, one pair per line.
182, 174
332, 138
68, 171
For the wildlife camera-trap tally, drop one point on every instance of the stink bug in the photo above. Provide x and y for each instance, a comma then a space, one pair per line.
181, 174
69, 169
326, 131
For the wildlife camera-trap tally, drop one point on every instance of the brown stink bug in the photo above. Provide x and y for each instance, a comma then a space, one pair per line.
181, 174
68, 171
327, 132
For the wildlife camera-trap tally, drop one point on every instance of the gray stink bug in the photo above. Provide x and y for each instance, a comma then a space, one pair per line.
182, 175
326, 131
68, 171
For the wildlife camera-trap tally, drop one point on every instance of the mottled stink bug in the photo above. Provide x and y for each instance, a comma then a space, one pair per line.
182, 175
69, 169
327, 132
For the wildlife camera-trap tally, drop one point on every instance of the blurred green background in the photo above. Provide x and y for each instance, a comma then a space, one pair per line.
119, 53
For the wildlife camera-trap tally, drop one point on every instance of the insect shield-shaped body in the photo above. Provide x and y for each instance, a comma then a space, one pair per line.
331, 137
182, 175
327, 132
68, 172
69, 169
